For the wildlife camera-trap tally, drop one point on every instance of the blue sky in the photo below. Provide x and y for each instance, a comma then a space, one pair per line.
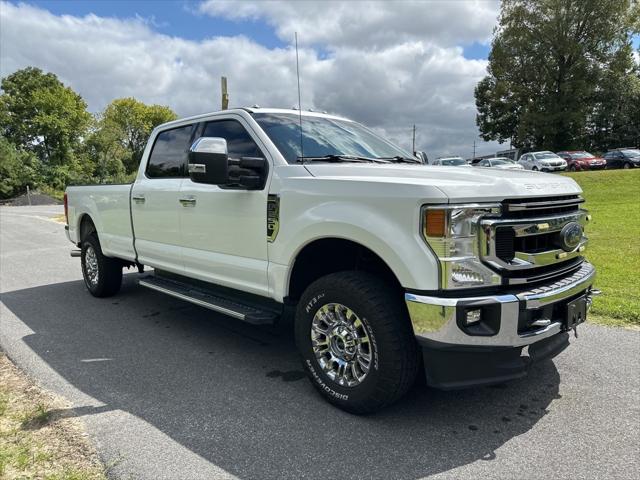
171, 17
180, 18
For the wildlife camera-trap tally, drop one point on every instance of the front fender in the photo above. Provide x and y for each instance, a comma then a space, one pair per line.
391, 232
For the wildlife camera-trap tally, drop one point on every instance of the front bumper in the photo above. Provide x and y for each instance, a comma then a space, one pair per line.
511, 321
595, 166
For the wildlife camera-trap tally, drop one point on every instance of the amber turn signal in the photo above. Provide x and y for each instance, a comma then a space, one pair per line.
435, 223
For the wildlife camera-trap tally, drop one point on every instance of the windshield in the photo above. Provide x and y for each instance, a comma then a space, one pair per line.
581, 155
631, 153
546, 156
452, 162
322, 136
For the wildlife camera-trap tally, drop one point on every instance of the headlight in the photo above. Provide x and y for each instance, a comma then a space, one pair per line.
452, 233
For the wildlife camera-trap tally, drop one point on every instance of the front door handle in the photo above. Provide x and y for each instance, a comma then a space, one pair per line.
138, 198
189, 201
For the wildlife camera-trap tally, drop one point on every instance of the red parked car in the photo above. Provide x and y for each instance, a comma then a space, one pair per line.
581, 160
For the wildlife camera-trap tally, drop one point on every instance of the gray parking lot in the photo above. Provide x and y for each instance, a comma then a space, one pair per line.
170, 390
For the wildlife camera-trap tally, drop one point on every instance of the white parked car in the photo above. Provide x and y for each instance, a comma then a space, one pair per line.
451, 162
384, 269
544, 161
502, 163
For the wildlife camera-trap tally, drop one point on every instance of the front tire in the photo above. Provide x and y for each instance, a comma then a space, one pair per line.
355, 339
626, 166
535, 169
102, 275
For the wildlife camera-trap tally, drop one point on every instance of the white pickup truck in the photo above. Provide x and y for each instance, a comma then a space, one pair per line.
390, 267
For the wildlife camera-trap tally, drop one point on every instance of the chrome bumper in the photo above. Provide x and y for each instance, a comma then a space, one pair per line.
435, 318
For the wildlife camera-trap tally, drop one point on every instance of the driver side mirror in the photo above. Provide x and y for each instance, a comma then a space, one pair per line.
208, 161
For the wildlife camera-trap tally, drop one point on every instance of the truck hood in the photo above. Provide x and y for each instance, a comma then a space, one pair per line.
458, 184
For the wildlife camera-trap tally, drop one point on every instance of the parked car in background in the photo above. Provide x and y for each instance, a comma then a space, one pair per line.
580, 160
544, 161
499, 162
451, 162
623, 158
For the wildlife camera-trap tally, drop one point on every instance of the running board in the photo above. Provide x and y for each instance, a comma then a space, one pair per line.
197, 296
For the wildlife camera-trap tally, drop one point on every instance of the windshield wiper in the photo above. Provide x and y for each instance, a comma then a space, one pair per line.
399, 159
341, 158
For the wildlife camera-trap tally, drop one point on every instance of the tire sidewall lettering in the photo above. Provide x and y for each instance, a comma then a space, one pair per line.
313, 302
324, 386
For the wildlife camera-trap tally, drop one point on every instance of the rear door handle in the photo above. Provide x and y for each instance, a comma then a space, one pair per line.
189, 201
138, 198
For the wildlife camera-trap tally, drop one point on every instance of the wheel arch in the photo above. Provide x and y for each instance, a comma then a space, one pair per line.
86, 226
322, 256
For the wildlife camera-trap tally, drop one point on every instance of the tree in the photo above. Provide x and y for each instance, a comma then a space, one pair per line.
615, 119
546, 62
17, 170
40, 114
128, 122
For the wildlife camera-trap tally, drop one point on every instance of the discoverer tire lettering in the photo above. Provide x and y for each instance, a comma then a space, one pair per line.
394, 359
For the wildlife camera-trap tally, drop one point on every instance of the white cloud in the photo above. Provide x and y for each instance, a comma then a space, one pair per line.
391, 83
367, 24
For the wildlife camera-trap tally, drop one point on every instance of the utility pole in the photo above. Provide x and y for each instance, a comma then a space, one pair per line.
225, 95
413, 149
474, 151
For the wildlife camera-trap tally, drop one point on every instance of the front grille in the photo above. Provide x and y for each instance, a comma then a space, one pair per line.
523, 245
536, 207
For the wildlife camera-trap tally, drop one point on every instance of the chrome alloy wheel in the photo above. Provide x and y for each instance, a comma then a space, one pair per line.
341, 344
91, 265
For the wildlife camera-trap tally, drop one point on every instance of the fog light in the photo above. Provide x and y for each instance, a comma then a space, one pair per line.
472, 316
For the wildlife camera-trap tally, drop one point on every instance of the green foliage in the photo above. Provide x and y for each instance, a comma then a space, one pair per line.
560, 71
124, 128
48, 140
39, 114
17, 170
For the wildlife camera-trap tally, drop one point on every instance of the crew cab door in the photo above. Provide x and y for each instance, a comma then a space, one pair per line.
155, 205
224, 230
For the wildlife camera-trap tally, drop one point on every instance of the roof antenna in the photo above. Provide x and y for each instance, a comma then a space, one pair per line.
299, 101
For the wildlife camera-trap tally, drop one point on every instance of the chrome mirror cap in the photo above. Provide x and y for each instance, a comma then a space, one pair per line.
209, 145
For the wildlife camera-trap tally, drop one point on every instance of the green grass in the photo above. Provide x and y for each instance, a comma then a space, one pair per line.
613, 199
34, 444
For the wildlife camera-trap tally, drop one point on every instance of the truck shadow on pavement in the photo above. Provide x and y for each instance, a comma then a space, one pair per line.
235, 394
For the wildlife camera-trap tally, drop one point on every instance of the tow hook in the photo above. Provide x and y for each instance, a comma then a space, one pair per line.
594, 292
75, 253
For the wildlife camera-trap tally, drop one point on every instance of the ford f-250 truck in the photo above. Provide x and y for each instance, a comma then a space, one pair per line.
389, 267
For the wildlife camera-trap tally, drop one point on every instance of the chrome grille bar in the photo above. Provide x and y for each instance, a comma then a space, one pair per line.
541, 205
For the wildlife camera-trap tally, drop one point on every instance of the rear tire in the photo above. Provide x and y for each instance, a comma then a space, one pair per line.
102, 275
535, 169
573, 168
368, 357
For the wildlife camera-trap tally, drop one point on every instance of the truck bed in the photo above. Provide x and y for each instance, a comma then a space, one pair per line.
109, 207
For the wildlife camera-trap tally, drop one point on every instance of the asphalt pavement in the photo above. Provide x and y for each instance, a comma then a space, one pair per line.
168, 390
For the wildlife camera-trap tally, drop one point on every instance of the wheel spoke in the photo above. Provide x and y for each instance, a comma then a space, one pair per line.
341, 344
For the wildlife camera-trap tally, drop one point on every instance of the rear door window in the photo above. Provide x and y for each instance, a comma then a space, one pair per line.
169, 155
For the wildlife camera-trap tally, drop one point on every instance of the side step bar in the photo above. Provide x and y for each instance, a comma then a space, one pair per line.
197, 296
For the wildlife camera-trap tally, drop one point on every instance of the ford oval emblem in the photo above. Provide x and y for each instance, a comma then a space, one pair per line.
570, 236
